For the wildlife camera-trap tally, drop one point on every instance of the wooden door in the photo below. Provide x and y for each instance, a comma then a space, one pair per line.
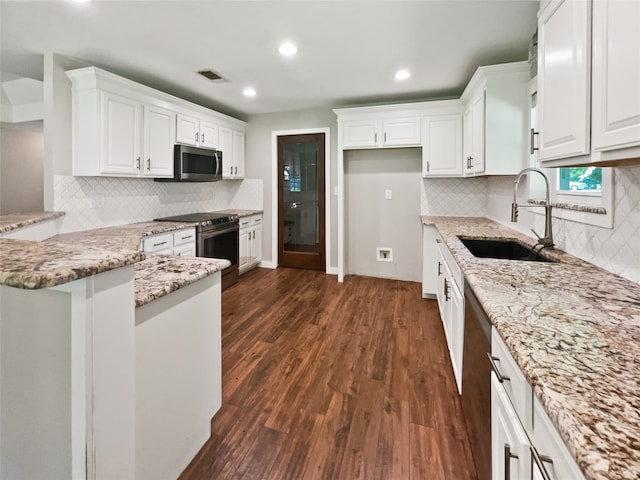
301, 200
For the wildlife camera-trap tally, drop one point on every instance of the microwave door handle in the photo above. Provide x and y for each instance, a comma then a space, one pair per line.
218, 165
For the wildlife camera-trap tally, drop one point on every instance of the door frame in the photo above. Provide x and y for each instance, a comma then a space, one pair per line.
327, 190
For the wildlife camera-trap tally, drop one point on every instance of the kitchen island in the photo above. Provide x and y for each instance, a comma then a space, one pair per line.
573, 329
110, 359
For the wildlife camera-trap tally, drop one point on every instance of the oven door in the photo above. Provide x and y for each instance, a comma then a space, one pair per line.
221, 243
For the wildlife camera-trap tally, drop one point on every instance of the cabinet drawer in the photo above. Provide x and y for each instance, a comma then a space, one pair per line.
256, 220
514, 383
156, 243
186, 250
181, 237
245, 222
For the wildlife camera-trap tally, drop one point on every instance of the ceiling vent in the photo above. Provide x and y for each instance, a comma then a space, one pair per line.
211, 75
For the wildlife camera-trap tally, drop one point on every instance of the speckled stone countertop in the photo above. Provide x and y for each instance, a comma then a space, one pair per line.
574, 330
121, 236
240, 213
160, 275
34, 265
14, 221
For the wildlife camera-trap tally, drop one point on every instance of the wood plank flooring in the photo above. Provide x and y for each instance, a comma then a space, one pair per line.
323, 380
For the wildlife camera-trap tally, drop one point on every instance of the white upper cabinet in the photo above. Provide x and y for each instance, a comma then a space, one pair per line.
382, 132
616, 75
159, 125
401, 132
496, 120
124, 129
231, 143
442, 145
564, 63
588, 77
196, 132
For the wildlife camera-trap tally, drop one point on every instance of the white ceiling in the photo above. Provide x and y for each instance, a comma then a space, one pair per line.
348, 50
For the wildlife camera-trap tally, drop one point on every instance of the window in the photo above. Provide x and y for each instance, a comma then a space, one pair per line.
580, 180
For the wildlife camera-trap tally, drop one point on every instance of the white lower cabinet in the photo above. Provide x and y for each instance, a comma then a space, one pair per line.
451, 305
524, 442
250, 251
180, 243
509, 443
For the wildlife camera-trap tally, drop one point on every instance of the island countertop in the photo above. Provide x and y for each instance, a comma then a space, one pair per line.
15, 221
574, 330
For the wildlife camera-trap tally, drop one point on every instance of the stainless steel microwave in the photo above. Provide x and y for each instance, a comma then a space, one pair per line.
193, 164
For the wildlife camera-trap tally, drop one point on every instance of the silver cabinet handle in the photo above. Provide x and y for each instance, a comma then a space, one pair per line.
539, 461
202, 138
533, 134
138, 163
446, 290
507, 461
197, 137
236, 172
148, 164
439, 271
385, 137
230, 170
427, 166
158, 244
375, 137
186, 238
254, 234
501, 378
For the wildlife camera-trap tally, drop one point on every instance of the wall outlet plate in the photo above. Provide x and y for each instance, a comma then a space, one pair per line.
384, 254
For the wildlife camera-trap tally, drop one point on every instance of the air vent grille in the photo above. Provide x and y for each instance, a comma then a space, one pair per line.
211, 75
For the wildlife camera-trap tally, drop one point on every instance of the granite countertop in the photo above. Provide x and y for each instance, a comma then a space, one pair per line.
34, 265
160, 275
240, 213
71, 256
574, 330
121, 236
14, 221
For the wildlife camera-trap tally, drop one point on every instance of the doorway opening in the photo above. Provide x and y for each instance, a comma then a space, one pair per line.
301, 201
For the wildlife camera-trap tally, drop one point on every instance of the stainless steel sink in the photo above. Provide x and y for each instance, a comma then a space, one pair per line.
503, 249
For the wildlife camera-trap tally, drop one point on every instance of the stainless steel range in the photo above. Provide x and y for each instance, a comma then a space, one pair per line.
217, 236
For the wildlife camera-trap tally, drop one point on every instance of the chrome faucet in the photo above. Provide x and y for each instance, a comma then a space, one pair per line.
547, 240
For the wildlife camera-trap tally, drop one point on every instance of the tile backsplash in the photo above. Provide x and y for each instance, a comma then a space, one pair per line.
615, 249
92, 202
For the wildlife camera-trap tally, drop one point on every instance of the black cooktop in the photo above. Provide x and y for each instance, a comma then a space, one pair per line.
208, 218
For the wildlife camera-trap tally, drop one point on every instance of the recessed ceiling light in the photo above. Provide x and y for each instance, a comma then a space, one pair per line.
249, 92
79, 1
287, 49
402, 74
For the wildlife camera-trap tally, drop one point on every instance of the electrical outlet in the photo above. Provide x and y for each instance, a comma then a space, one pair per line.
384, 254
97, 200
387, 194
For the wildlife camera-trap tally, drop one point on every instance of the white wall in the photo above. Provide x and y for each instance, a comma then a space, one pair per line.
259, 163
21, 167
372, 221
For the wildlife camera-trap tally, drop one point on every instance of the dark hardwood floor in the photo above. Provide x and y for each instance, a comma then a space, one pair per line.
323, 380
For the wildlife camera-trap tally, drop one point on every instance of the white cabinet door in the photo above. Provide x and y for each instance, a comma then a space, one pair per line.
401, 131
187, 130
225, 144
256, 246
430, 258
457, 331
361, 133
238, 154
208, 137
159, 128
121, 139
474, 135
245, 249
564, 72
442, 146
444, 296
509, 444
616, 75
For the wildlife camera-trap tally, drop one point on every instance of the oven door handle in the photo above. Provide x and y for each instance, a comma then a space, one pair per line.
215, 233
